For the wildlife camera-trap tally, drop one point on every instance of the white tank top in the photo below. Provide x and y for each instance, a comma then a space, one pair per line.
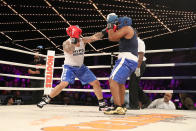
77, 58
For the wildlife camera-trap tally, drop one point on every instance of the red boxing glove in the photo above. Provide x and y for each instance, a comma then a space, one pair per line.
74, 31
105, 31
114, 28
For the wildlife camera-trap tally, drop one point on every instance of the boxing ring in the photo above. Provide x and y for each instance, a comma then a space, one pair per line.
88, 118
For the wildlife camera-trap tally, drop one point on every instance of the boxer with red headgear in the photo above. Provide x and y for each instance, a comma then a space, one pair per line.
74, 49
74, 32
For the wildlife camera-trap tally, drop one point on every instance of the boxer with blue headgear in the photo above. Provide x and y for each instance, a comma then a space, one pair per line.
112, 20
124, 21
126, 63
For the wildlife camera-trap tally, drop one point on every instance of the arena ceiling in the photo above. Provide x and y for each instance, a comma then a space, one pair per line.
25, 24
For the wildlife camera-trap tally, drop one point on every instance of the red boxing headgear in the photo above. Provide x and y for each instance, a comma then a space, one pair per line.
74, 31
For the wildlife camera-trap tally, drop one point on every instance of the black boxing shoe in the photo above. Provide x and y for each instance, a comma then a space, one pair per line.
45, 100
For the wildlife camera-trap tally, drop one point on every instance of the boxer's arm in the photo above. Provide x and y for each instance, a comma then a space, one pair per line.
92, 38
125, 32
68, 47
140, 58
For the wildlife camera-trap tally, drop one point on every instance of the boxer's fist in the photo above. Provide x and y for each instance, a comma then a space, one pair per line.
105, 30
111, 26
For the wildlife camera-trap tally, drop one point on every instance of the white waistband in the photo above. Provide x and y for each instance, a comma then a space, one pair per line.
73, 65
128, 55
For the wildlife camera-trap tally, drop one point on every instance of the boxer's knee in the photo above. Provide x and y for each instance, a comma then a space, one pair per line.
63, 84
95, 83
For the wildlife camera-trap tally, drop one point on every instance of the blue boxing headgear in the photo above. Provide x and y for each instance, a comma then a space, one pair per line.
112, 18
124, 21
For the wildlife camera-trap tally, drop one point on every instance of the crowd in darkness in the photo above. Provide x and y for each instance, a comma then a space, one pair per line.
11, 81
89, 98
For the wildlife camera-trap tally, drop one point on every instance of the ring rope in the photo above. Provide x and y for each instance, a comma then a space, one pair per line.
20, 64
103, 78
91, 90
170, 50
22, 88
22, 76
90, 67
168, 77
147, 51
100, 54
171, 64
147, 65
21, 51
86, 55
101, 66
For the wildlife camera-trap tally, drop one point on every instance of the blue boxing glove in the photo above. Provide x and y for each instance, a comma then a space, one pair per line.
112, 18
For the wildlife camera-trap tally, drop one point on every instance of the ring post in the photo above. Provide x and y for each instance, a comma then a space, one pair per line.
49, 72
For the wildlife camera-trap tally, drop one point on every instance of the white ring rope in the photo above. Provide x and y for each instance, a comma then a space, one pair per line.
22, 76
90, 67
168, 77
87, 55
170, 50
20, 64
101, 66
91, 90
21, 51
171, 64
99, 54
147, 51
104, 78
22, 89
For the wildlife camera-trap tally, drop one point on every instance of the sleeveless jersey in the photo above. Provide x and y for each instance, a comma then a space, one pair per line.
77, 58
128, 48
129, 45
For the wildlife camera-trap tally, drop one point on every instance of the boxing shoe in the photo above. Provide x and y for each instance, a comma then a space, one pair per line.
45, 100
102, 105
124, 107
117, 110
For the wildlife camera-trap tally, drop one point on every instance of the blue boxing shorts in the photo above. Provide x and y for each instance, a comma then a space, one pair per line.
82, 73
122, 70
